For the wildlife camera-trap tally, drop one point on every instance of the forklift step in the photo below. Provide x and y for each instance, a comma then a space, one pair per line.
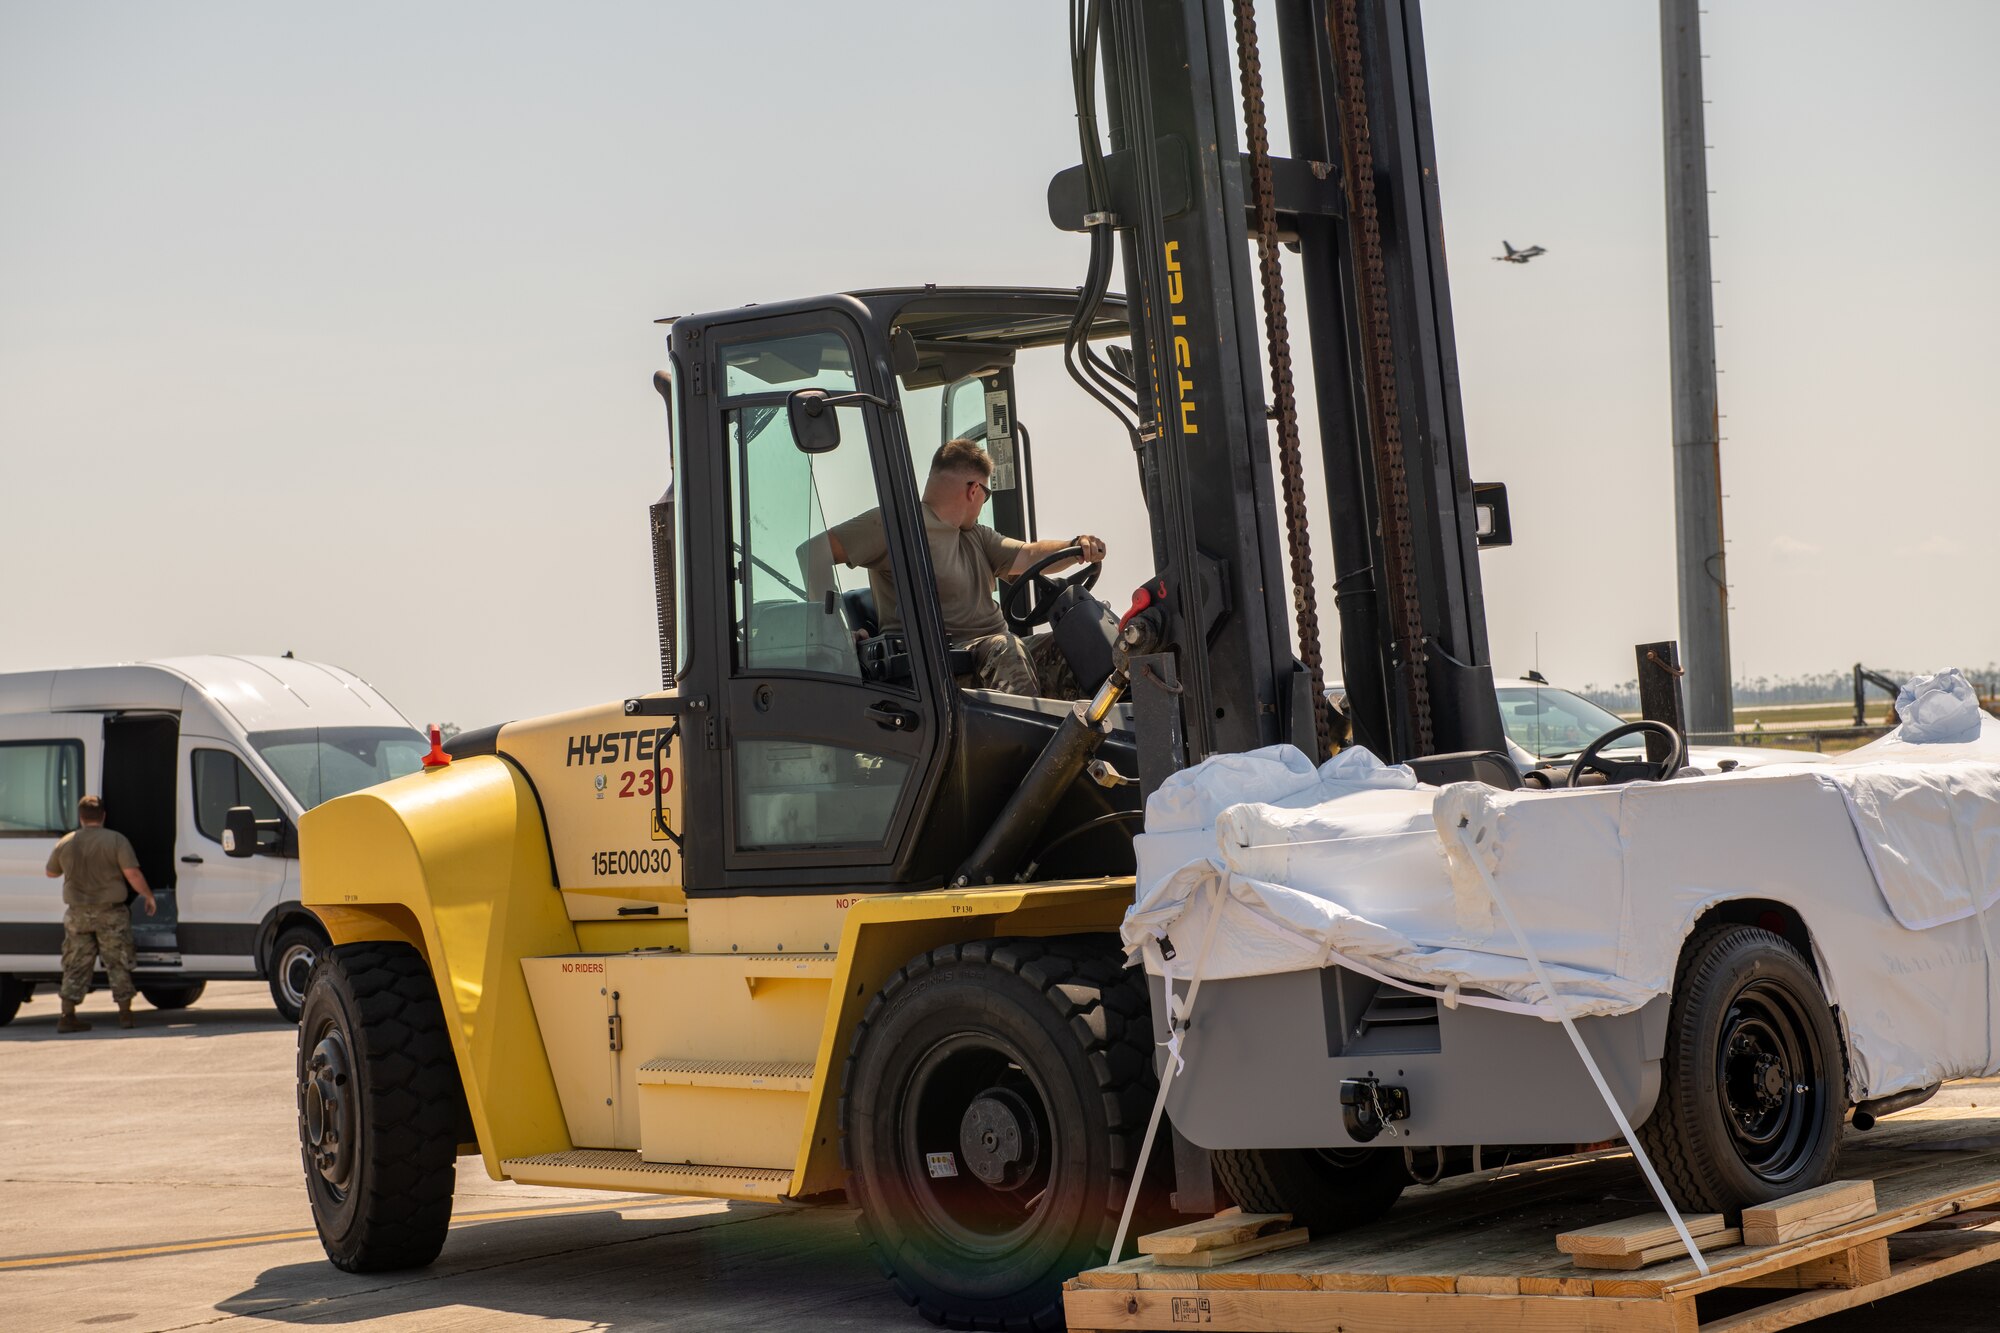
755, 1075
598, 1168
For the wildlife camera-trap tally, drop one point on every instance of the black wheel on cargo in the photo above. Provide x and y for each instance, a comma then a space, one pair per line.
1327, 1189
993, 1103
13, 994
172, 994
293, 955
380, 1108
1753, 1086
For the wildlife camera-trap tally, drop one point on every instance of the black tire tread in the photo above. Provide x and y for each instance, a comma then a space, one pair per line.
1675, 1155
178, 995
1259, 1181
411, 1113
13, 994
1107, 1011
277, 953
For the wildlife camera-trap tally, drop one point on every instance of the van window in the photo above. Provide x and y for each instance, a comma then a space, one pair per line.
40, 784
220, 781
319, 763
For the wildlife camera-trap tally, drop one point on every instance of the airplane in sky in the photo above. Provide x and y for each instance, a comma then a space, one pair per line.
1514, 256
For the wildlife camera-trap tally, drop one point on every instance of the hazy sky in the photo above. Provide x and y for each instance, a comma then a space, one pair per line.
328, 328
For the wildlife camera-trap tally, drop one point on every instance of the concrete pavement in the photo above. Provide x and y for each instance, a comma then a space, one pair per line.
150, 1180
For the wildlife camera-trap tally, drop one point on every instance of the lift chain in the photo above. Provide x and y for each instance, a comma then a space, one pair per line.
1284, 399
1379, 366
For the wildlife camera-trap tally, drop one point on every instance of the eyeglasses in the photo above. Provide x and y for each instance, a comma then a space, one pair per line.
984, 489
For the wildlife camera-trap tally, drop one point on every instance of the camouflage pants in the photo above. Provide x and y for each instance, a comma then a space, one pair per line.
1036, 667
90, 933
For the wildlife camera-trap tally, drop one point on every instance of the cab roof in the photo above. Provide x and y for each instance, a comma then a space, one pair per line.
1013, 316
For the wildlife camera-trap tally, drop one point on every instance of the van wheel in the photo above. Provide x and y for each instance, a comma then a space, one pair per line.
175, 996
293, 954
1753, 1086
13, 994
993, 1103
1326, 1189
379, 1108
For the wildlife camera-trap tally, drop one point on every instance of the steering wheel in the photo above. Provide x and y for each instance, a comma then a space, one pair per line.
1629, 770
1022, 618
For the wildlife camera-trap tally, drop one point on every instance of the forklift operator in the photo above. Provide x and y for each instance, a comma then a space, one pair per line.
967, 557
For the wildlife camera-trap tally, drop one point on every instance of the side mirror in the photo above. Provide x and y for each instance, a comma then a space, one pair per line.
815, 428
1494, 524
243, 833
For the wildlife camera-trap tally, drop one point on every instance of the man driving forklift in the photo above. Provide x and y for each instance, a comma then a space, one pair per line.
967, 557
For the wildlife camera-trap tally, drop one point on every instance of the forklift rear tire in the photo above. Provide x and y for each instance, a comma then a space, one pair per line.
293, 955
993, 1104
173, 995
1326, 1189
1753, 1084
13, 994
379, 1108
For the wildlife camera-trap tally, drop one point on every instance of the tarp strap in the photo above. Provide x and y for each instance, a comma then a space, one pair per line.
1472, 855
1986, 938
1178, 1017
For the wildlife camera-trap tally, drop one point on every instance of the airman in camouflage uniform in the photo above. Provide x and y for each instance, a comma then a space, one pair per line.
96, 864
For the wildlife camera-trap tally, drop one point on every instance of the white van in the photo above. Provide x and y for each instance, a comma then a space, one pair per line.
171, 745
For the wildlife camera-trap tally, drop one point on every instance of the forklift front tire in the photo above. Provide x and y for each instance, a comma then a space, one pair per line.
379, 1108
994, 1099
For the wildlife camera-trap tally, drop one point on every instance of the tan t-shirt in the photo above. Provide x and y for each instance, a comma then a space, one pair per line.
967, 562
93, 861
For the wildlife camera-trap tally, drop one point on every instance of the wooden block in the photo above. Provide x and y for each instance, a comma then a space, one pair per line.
1808, 1213
1228, 1228
1633, 1235
1857, 1267
1350, 1282
1965, 1221
1556, 1286
1474, 1285
1285, 1281
1713, 1240
1371, 1312
1422, 1282
1230, 1253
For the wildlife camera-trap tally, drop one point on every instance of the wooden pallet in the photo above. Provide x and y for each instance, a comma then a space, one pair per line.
1478, 1254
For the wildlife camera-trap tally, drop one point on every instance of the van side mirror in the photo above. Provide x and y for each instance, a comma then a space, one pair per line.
815, 428
243, 834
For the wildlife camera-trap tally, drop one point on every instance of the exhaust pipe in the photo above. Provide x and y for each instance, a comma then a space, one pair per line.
1868, 1112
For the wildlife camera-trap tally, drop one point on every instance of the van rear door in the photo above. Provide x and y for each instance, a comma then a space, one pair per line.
48, 761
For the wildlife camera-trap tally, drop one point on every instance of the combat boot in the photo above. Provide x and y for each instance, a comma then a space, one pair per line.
125, 1019
69, 1022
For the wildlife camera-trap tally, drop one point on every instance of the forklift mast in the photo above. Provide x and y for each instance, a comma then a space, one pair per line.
1359, 204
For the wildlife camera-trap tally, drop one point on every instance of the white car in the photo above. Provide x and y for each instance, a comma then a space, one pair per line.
1549, 725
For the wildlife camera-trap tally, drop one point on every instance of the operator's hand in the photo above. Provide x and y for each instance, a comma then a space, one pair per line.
151, 906
1093, 547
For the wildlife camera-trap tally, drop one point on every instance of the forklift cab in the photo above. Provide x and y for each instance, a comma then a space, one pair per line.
835, 748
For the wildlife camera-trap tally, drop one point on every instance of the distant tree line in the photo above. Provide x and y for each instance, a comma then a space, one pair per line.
1824, 687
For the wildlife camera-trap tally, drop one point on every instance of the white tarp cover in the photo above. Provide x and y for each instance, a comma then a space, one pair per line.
1891, 856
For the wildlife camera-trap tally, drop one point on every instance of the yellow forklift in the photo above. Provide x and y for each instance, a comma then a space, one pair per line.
816, 915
